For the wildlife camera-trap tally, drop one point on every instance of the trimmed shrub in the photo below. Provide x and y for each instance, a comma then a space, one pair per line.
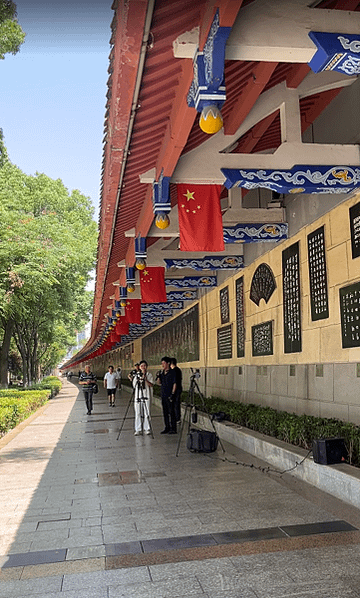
17, 405
299, 430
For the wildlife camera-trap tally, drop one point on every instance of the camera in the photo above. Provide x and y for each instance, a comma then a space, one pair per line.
140, 378
158, 374
195, 373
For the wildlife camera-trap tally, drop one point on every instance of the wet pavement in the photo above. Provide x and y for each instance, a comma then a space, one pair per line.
86, 512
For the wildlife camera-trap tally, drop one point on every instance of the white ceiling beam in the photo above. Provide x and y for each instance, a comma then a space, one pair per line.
275, 31
200, 171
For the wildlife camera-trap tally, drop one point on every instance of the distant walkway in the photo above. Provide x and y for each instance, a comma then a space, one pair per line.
85, 514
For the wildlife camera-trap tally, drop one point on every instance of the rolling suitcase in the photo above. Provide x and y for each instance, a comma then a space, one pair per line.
201, 441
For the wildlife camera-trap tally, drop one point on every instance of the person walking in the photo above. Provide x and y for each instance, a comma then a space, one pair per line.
143, 383
87, 381
166, 379
177, 389
110, 383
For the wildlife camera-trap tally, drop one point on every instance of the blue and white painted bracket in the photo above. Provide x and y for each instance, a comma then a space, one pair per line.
161, 195
256, 233
192, 281
336, 52
217, 262
300, 179
207, 87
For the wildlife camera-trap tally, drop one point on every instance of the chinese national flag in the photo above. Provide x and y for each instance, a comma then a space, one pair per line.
122, 327
152, 285
200, 220
133, 311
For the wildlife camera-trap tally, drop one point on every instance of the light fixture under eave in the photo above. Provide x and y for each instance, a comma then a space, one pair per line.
130, 288
140, 263
211, 120
162, 220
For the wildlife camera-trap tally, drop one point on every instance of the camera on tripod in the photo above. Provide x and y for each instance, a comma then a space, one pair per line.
139, 377
195, 374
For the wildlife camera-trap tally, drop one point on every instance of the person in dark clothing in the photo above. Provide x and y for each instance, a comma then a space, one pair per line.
178, 387
166, 378
87, 381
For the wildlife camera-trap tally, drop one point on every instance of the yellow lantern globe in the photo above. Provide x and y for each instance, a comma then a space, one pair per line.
211, 120
162, 220
140, 264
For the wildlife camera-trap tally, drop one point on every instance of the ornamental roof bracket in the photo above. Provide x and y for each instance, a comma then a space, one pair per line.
205, 164
207, 92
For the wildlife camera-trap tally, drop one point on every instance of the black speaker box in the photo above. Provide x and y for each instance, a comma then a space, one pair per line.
327, 451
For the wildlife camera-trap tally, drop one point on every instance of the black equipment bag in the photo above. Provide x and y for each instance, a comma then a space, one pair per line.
201, 441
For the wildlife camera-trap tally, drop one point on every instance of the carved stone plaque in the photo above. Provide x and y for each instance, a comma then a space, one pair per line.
317, 275
354, 213
350, 315
262, 339
291, 299
224, 305
263, 284
224, 342
240, 317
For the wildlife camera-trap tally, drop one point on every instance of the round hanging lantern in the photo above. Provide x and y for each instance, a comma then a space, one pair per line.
211, 120
162, 220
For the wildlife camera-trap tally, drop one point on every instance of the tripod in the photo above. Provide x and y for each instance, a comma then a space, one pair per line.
141, 399
190, 405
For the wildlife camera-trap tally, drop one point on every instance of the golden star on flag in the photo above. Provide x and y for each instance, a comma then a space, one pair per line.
189, 195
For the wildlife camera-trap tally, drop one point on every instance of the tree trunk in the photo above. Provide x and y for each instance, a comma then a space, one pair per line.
22, 348
4, 352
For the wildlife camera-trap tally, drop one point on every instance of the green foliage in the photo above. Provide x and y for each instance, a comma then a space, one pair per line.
51, 383
299, 430
17, 405
11, 34
3, 151
48, 242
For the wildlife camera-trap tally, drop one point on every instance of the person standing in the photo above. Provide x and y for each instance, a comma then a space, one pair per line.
119, 374
166, 379
143, 383
87, 381
135, 371
111, 383
177, 389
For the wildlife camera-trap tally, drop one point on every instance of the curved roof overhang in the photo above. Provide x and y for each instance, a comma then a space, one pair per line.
149, 127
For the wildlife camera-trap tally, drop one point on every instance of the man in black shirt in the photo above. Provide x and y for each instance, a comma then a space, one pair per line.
178, 387
166, 379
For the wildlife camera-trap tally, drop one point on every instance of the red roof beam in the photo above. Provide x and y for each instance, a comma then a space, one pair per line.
246, 100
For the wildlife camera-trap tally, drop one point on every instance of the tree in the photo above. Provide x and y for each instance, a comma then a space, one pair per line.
47, 251
11, 34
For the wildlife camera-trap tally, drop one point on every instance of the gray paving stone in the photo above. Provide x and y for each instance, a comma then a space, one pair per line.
172, 588
85, 552
12, 589
108, 578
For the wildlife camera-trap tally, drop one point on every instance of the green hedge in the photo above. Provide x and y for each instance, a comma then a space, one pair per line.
50, 382
299, 430
17, 405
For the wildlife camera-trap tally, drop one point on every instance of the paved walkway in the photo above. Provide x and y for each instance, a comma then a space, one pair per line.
84, 514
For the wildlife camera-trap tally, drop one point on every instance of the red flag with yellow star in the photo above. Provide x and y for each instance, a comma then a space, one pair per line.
200, 220
133, 311
152, 285
122, 327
